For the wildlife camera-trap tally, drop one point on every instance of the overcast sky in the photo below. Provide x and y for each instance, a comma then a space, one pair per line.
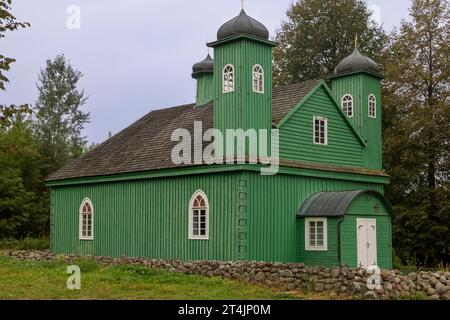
136, 55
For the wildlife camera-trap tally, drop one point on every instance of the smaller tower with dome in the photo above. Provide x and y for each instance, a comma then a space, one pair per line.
356, 86
203, 72
242, 75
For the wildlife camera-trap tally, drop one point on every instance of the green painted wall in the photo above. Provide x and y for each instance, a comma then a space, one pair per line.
243, 108
360, 86
205, 89
274, 232
296, 135
148, 218
327, 258
364, 207
252, 217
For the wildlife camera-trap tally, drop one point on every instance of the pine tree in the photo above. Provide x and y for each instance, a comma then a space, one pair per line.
417, 132
59, 118
317, 34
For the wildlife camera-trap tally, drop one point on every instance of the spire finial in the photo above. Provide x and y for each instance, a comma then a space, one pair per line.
356, 42
242, 4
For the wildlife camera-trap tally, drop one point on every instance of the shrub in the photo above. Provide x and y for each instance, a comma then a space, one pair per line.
25, 244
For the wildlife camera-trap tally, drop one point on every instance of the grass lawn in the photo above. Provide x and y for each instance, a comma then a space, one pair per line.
47, 280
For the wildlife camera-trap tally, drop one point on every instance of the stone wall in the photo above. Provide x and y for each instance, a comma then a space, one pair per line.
334, 282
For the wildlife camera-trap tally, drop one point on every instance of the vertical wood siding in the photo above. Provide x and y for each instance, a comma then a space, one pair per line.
252, 217
360, 86
243, 108
205, 89
275, 233
363, 207
148, 218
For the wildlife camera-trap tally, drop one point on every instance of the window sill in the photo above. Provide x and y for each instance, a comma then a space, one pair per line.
316, 249
198, 238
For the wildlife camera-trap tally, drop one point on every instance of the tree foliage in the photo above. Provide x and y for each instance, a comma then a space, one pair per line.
8, 23
417, 132
21, 211
59, 119
317, 34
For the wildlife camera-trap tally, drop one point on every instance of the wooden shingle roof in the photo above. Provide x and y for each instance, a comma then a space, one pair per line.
146, 144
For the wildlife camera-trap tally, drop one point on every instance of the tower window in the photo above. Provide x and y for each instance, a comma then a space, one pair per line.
347, 105
258, 79
320, 130
228, 79
199, 217
372, 106
86, 220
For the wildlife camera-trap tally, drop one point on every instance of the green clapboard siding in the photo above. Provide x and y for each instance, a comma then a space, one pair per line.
148, 218
364, 207
327, 258
274, 232
360, 86
296, 134
243, 108
205, 89
252, 217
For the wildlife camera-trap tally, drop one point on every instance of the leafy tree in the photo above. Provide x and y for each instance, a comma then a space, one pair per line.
59, 120
417, 132
21, 212
8, 23
318, 34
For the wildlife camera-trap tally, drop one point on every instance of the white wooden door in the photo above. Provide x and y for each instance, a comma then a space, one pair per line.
366, 233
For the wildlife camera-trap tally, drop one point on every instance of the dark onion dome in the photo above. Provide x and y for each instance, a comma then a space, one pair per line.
205, 66
243, 25
356, 62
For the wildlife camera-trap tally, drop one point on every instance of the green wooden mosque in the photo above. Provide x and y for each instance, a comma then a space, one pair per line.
325, 206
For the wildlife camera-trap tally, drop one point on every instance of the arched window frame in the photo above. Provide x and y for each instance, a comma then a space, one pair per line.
258, 78
85, 235
372, 106
348, 105
193, 236
228, 79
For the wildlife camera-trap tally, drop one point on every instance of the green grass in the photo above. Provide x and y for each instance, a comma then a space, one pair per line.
21, 279
25, 244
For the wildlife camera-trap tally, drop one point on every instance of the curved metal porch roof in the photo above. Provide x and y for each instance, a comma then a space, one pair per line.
335, 204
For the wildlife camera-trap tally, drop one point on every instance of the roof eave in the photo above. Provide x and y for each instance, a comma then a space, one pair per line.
375, 74
238, 37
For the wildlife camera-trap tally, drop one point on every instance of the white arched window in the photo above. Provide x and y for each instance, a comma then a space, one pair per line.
372, 106
228, 79
258, 79
347, 105
87, 220
199, 216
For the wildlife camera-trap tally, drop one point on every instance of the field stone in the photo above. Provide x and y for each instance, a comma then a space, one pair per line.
412, 276
370, 295
342, 279
319, 287
440, 288
260, 276
431, 292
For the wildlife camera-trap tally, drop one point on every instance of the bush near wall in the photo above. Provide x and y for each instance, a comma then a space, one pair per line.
25, 244
338, 281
